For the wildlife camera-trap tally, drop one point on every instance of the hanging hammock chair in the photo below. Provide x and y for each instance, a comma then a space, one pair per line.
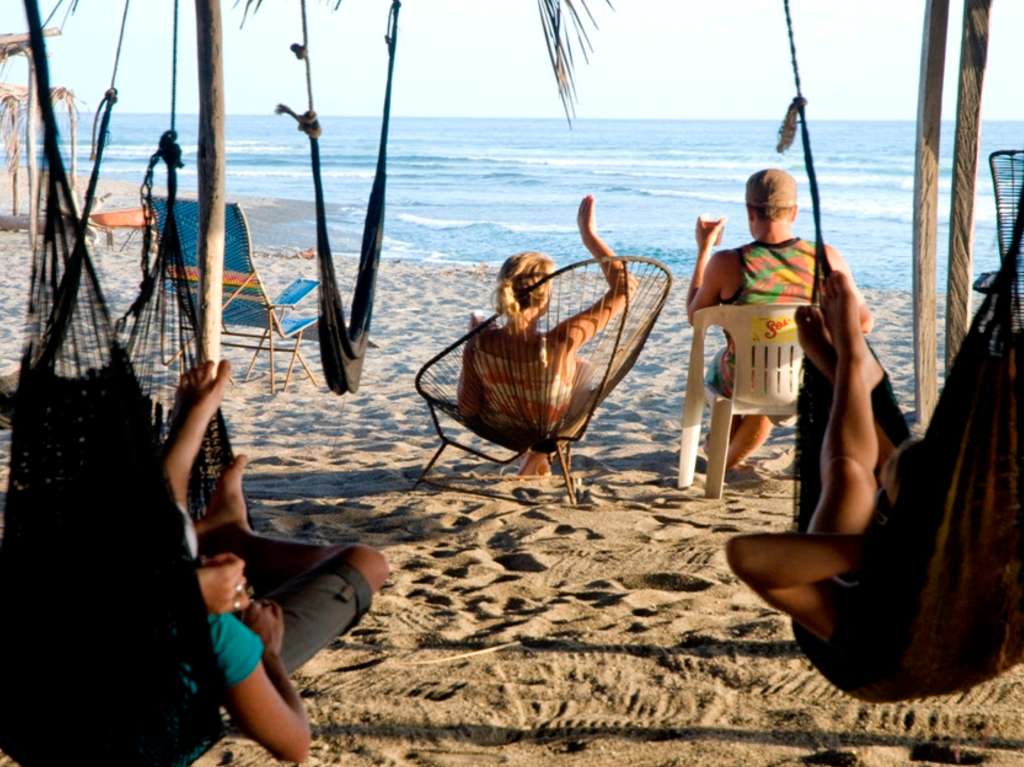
101, 603
939, 600
343, 347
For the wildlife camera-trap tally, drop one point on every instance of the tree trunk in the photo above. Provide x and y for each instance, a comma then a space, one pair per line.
31, 151
211, 176
973, 53
926, 192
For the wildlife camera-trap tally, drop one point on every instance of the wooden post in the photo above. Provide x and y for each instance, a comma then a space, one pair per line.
926, 193
973, 53
31, 152
211, 176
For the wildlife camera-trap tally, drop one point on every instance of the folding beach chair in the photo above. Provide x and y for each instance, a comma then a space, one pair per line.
251, 320
514, 417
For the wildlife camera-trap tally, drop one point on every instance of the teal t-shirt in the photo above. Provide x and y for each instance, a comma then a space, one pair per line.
238, 648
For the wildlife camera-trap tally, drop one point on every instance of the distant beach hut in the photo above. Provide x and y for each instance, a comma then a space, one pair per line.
19, 117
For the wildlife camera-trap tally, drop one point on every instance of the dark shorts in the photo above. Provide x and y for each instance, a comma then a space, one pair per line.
320, 606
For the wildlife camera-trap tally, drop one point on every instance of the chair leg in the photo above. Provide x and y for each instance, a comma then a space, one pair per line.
270, 347
430, 465
718, 446
291, 364
689, 439
252, 362
563, 458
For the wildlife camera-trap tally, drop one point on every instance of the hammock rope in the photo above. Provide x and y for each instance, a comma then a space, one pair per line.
343, 346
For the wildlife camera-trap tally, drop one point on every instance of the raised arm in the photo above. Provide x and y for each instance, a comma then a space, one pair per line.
710, 272
581, 327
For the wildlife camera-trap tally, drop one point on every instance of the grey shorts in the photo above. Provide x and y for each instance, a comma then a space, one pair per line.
320, 606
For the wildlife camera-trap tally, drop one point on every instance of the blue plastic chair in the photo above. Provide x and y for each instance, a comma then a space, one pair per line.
251, 320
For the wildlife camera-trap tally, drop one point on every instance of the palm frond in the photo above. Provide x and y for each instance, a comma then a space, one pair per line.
12, 102
562, 21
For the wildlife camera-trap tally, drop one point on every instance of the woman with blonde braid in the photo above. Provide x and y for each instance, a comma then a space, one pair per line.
515, 372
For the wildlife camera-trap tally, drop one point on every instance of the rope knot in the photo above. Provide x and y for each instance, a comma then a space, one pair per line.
787, 131
170, 150
299, 50
307, 121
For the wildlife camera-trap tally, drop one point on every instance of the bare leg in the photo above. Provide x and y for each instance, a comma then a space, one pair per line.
224, 528
816, 341
270, 562
794, 572
199, 396
535, 465
750, 433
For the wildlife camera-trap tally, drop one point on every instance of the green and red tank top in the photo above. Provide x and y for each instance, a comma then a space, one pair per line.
772, 274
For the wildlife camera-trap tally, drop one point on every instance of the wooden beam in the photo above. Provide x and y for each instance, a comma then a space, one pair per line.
23, 38
209, 40
926, 194
31, 152
973, 55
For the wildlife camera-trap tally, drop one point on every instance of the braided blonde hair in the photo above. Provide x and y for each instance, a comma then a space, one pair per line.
519, 273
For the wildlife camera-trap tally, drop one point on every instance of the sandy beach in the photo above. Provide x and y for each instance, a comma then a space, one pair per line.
608, 634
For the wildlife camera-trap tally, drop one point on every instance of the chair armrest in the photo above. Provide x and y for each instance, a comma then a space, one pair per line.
294, 293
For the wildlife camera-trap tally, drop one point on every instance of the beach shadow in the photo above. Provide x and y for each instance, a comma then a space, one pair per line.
547, 732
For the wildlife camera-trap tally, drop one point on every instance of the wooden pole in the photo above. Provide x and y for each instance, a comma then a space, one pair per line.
926, 194
31, 152
973, 54
211, 176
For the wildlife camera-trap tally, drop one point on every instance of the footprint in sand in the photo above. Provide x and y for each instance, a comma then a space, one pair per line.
521, 562
666, 582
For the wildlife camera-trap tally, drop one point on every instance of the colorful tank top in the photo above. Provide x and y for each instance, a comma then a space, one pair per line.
772, 274
521, 393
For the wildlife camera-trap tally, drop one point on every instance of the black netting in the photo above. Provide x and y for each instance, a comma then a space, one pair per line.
101, 604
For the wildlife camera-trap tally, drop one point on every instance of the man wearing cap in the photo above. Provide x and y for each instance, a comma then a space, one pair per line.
776, 267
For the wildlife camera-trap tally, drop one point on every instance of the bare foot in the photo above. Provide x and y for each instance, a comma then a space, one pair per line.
198, 398
535, 465
227, 506
814, 340
840, 313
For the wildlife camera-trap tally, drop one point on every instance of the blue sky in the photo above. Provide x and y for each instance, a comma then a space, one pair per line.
688, 59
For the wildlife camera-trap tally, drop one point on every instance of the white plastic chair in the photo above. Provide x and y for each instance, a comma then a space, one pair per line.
767, 382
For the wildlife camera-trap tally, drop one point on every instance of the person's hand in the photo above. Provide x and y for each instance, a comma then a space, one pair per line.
709, 232
476, 320
222, 583
586, 219
266, 619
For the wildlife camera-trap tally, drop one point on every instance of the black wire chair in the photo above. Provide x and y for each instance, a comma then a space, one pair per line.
532, 395
1007, 167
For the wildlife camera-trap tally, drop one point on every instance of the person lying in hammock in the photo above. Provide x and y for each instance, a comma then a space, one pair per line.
812, 576
309, 593
516, 373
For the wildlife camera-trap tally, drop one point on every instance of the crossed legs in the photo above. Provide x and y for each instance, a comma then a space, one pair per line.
795, 572
270, 562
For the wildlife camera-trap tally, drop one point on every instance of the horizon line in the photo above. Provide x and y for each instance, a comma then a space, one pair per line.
562, 118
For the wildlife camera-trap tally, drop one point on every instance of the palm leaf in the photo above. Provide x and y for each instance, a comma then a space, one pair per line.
565, 25
562, 21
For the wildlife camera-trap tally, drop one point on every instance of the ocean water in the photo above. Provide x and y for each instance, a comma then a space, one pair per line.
478, 190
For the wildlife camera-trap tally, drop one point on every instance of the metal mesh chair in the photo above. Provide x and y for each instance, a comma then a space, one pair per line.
1007, 166
251, 320
540, 393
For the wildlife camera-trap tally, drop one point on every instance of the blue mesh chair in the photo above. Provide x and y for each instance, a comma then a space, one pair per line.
251, 320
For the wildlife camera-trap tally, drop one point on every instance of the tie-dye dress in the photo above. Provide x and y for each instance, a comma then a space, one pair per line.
772, 274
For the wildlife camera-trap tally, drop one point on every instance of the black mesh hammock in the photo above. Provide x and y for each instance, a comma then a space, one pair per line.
939, 605
99, 594
342, 348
